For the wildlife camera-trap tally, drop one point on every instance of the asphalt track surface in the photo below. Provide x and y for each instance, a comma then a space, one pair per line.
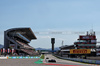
19, 62
30, 62
67, 62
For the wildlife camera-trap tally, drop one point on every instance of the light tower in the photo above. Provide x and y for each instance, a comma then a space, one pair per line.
62, 42
52, 42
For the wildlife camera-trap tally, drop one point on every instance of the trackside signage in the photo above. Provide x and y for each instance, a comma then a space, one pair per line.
80, 51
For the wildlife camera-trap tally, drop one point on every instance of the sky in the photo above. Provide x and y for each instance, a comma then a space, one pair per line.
50, 16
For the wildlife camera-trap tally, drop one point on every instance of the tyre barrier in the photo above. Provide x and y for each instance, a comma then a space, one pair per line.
81, 60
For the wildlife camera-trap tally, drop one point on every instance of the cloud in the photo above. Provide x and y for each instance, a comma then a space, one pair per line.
43, 36
60, 39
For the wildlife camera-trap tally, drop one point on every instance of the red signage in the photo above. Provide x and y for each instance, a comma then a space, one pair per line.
87, 37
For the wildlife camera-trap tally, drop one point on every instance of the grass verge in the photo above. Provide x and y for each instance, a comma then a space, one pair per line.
42, 57
40, 61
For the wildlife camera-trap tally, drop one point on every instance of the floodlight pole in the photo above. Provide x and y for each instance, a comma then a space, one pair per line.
52, 42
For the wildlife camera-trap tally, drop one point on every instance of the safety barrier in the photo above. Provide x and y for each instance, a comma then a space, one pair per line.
80, 60
19, 57
3, 57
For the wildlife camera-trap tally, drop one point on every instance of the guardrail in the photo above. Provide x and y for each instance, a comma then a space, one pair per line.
80, 60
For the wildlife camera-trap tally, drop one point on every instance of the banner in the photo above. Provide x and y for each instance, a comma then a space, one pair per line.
80, 51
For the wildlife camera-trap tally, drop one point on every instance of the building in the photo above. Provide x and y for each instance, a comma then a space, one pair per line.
65, 50
98, 50
84, 42
19, 39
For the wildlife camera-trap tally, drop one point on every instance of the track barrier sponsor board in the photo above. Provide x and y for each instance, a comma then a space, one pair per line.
27, 57
80, 51
19, 57
3, 57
